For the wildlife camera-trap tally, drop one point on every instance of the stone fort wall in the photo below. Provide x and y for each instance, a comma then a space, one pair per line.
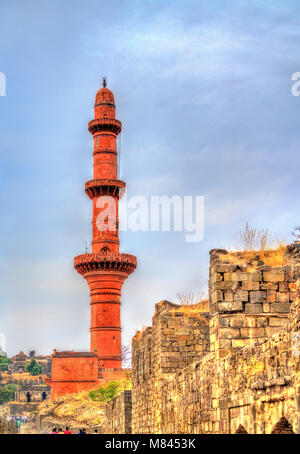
231, 368
8, 427
118, 414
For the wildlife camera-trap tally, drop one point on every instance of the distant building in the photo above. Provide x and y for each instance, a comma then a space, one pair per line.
18, 363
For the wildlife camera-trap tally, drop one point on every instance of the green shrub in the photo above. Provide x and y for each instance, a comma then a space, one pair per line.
105, 393
4, 363
7, 393
33, 368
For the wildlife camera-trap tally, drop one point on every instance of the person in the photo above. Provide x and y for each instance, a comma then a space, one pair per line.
25, 419
19, 424
60, 431
67, 431
96, 432
54, 431
80, 432
84, 431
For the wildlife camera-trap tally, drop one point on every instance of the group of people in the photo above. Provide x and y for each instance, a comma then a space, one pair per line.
67, 431
20, 420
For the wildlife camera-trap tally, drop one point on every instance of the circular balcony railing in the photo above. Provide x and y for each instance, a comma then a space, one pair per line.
104, 186
108, 261
105, 124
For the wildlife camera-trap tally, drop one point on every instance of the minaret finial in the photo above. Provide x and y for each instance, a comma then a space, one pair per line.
104, 81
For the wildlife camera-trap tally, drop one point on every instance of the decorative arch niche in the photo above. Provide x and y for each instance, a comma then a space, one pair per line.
241, 430
283, 427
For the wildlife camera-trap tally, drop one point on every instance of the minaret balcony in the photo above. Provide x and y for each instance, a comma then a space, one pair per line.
104, 186
105, 262
105, 124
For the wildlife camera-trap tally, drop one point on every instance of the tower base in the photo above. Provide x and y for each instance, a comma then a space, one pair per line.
73, 372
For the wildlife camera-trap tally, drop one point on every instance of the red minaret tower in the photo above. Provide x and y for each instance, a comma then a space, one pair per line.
105, 269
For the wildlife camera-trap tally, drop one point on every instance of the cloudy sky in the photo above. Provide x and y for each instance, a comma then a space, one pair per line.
203, 90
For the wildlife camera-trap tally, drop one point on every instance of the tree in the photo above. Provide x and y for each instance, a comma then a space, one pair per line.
296, 233
7, 393
4, 361
34, 368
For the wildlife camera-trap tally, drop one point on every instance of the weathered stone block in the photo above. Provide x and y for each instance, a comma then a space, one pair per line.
258, 297
282, 297
225, 268
251, 308
252, 332
230, 306
242, 322
280, 307
224, 322
269, 286
278, 321
248, 285
229, 333
242, 276
229, 285
273, 330
272, 276
240, 295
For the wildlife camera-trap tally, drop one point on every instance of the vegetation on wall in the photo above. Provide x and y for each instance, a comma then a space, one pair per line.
34, 368
4, 361
253, 239
7, 393
105, 393
189, 298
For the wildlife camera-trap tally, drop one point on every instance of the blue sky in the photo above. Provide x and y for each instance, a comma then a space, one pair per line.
203, 90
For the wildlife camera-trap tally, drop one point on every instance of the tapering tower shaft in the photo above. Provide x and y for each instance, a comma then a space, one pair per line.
105, 269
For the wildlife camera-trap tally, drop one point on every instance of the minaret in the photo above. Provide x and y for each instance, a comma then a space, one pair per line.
105, 269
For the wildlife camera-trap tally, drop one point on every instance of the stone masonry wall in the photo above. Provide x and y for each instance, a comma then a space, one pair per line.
118, 414
8, 427
254, 388
249, 302
177, 338
235, 369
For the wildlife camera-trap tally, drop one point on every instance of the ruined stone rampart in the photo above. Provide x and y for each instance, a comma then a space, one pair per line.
232, 369
8, 427
179, 336
118, 414
249, 300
